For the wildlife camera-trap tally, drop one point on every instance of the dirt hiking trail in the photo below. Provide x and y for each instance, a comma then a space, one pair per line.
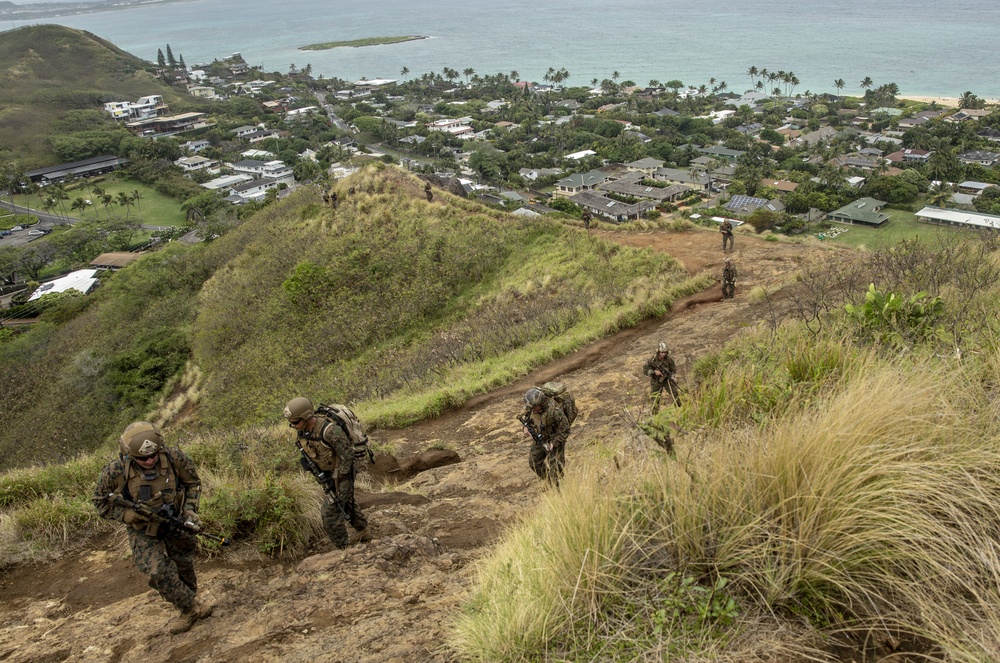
389, 599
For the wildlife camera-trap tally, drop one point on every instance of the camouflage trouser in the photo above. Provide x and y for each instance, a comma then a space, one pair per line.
333, 519
727, 239
168, 560
656, 389
728, 289
547, 465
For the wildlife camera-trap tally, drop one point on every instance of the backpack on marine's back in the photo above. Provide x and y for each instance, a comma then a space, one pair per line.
558, 391
344, 417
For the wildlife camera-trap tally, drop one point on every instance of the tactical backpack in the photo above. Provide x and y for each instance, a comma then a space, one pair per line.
557, 391
344, 417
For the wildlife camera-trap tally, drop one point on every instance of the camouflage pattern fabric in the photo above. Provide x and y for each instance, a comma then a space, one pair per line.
553, 426
168, 560
665, 381
727, 235
328, 445
333, 519
164, 554
728, 281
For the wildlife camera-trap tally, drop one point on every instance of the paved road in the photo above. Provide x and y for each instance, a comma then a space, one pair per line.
337, 122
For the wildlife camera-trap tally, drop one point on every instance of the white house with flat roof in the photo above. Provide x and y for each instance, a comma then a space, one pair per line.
82, 280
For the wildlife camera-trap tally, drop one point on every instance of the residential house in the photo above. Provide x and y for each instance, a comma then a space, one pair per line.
172, 124
720, 152
909, 156
781, 186
260, 135
631, 185
146, 107
693, 180
246, 129
195, 146
275, 170
746, 205
864, 211
989, 133
666, 112
609, 208
536, 173
973, 188
968, 114
578, 182
815, 137
980, 157
227, 181
252, 190
202, 91
532, 210
856, 160
367, 87
454, 126
115, 260
196, 163
82, 280
953, 217
646, 165
582, 154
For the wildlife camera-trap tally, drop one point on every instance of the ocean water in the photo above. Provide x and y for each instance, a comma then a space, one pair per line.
926, 47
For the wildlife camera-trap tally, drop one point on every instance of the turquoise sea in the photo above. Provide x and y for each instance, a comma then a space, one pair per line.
926, 47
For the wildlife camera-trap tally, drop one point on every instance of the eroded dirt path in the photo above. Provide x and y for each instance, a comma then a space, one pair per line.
387, 600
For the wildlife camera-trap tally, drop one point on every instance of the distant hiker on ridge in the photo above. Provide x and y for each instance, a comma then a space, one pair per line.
727, 234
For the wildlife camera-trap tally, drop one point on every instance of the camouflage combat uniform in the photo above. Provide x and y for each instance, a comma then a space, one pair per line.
548, 459
728, 281
665, 380
333, 451
163, 553
727, 235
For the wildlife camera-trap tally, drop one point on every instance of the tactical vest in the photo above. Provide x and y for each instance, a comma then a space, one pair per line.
153, 487
318, 449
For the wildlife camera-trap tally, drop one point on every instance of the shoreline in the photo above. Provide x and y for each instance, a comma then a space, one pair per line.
940, 101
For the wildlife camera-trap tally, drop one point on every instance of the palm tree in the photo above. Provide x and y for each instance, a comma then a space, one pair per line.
404, 72
107, 200
468, 72
839, 84
752, 73
615, 76
136, 195
514, 76
124, 200
79, 204
594, 82
968, 100
866, 83
939, 194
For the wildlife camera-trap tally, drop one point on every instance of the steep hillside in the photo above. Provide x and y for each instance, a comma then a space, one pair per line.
399, 306
49, 70
392, 599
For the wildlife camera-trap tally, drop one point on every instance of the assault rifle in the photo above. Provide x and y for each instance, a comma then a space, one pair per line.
325, 479
534, 432
166, 516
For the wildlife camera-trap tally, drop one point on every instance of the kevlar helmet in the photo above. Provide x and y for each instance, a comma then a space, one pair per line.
299, 408
662, 347
141, 440
729, 261
534, 396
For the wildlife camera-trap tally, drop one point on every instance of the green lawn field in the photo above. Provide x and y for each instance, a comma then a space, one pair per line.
153, 208
901, 225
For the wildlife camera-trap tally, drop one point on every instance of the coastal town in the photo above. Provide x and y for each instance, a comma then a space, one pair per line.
615, 151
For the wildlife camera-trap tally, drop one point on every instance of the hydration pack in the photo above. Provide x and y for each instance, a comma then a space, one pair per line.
558, 392
344, 417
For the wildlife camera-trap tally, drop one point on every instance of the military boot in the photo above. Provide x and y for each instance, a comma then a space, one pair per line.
183, 622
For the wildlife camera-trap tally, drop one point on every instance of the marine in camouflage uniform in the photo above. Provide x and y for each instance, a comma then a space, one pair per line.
661, 369
326, 443
728, 279
547, 458
727, 235
159, 478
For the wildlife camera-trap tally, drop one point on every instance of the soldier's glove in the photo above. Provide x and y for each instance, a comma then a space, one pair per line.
130, 516
192, 520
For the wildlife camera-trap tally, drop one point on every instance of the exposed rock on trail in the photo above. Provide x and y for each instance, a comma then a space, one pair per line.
455, 483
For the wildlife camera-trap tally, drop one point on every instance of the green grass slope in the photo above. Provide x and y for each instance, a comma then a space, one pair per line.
48, 70
396, 305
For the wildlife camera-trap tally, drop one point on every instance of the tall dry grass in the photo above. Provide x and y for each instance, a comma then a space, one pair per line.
874, 509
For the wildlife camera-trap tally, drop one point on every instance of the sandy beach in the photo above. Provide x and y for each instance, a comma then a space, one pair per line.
942, 101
